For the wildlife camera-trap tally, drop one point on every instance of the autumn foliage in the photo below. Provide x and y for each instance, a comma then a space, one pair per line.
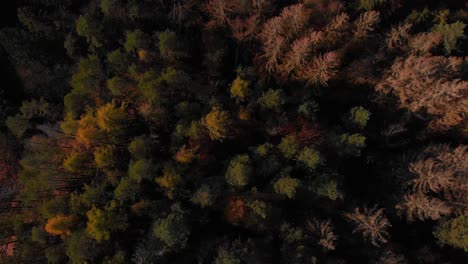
234, 131
60, 225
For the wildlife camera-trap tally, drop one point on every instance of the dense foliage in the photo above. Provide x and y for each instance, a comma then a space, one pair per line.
240, 131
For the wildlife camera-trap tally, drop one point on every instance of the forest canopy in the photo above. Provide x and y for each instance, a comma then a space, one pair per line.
234, 131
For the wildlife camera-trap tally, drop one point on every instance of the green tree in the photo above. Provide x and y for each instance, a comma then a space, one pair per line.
17, 125
169, 45
135, 40
308, 110
117, 258
239, 171
75, 103
127, 190
38, 235
287, 186
453, 232
93, 194
110, 7
91, 29
419, 16
264, 149
141, 169
88, 75
204, 196
309, 157
195, 131
56, 254
37, 109
370, 4
239, 251
359, 116
112, 118
289, 146
272, 99
39, 175
352, 144
149, 84
30, 113
55, 206
226, 257
119, 61
173, 230
85, 82
451, 33
72, 45
106, 157
119, 86
260, 208
75, 162
103, 222
328, 188
140, 147
80, 248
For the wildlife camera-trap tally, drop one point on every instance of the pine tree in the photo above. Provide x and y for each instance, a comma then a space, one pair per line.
112, 118
90, 28
103, 222
451, 33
